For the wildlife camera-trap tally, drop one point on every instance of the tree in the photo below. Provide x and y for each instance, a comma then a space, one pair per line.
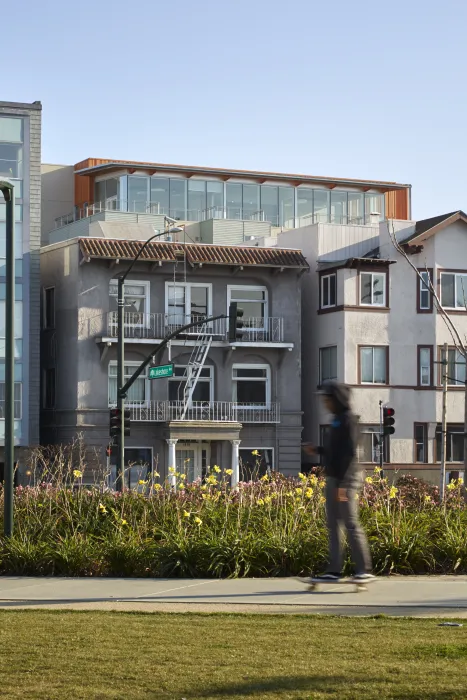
459, 343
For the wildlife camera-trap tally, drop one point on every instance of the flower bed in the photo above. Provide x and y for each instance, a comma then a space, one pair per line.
271, 527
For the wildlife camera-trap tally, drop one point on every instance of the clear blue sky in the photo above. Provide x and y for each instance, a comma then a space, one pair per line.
349, 89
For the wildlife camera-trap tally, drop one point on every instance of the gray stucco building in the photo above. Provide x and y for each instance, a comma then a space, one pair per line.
248, 394
20, 162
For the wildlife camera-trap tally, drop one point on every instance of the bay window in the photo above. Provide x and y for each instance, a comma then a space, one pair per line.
328, 291
373, 289
454, 290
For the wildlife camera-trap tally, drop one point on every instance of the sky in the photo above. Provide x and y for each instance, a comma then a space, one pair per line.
355, 89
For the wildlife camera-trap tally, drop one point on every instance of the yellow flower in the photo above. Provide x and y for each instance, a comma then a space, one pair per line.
264, 478
229, 472
267, 499
211, 480
102, 508
323, 500
186, 514
427, 499
299, 491
124, 522
141, 482
376, 470
393, 492
77, 474
289, 493
298, 500
171, 470
203, 487
255, 453
369, 479
182, 477
157, 487
322, 484
260, 502
156, 474
309, 492
198, 521
452, 485
313, 479
206, 497
302, 476
216, 469
460, 481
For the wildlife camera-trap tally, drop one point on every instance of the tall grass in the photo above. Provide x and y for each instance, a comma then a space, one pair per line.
270, 527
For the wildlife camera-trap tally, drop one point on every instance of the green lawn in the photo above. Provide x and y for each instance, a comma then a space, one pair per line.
71, 655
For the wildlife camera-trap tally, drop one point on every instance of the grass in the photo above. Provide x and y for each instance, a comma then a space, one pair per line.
52, 655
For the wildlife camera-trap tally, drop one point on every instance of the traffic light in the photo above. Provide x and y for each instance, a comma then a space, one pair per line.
388, 421
116, 422
236, 323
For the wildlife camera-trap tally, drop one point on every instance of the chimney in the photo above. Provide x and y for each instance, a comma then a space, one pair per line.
375, 218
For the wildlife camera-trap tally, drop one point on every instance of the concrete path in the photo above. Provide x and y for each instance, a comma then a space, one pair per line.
439, 596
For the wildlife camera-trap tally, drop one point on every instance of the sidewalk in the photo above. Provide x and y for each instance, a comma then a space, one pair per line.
430, 596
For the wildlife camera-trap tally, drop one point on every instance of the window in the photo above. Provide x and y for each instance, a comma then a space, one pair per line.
286, 206
255, 462
269, 204
454, 443
328, 291
187, 302
455, 369
425, 363
214, 199
11, 160
18, 391
204, 389
338, 207
454, 290
138, 195
374, 365
327, 364
136, 301
196, 199
159, 195
321, 206
253, 301
305, 203
49, 307
138, 462
374, 204
420, 435
18, 321
138, 393
355, 204
177, 199
49, 388
370, 441
425, 299
251, 384
373, 289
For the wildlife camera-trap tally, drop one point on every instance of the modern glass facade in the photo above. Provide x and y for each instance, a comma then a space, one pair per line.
196, 200
12, 166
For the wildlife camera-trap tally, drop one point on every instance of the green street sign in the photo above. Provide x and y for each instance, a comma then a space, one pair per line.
161, 371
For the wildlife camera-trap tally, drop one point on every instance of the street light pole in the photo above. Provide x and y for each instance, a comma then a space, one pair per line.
121, 353
8, 190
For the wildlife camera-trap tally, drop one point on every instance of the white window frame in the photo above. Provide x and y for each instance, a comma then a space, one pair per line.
241, 365
326, 347
143, 375
200, 379
261, 447
250, 288
147, 301
424, 289
455, 275
188, 286
328, 277
374, 347
45, 320
374, 274
364, 429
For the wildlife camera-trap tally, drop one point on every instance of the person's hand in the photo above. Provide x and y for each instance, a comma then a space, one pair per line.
309, 449
341, 495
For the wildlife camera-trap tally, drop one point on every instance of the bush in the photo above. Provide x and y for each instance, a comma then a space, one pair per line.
271, 527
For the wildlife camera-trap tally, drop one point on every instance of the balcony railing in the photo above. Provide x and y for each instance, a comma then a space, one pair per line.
214, 411
155, 326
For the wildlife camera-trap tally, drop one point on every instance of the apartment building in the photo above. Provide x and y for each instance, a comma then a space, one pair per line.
20, 162
370, 322
248, 395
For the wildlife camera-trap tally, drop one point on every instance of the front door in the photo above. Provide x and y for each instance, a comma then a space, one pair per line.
192, 459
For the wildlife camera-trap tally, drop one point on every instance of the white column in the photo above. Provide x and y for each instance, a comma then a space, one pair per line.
172, 461
235, 463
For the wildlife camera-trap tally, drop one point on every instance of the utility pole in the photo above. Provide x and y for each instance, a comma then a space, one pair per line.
444, 365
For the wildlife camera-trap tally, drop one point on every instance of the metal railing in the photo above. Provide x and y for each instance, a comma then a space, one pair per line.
154, 326
213, 411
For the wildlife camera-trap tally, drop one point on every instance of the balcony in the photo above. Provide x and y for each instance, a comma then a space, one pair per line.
212, 411
140, 326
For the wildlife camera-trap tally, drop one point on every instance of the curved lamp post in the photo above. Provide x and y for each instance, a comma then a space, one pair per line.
121, 349
8, 191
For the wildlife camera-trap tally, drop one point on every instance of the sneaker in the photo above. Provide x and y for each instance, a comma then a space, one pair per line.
364, 577
329, 576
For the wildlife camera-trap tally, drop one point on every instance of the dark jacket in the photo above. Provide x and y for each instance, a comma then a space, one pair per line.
340, 448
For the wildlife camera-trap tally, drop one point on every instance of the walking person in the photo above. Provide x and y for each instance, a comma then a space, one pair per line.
343, 483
